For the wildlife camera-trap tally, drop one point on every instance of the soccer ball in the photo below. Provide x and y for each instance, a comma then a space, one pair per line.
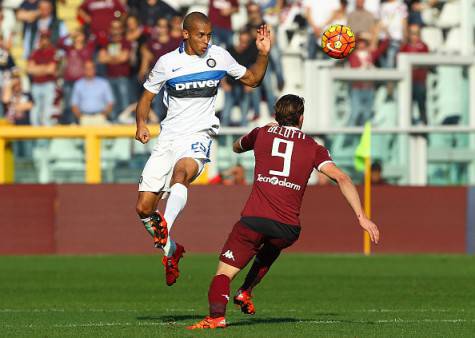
338, 41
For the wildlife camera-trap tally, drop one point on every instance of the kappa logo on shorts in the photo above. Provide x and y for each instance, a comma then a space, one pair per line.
140, 179
229, 255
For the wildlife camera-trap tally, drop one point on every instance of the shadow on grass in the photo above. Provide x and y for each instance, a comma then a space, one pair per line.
254, 321
169, 318
287, 320
322, 318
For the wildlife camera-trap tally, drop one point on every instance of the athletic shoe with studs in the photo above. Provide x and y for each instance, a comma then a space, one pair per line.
171, 265
209, 323
243, 299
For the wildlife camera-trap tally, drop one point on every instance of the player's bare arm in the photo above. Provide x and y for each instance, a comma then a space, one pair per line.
142, 133
254, 74
348, 190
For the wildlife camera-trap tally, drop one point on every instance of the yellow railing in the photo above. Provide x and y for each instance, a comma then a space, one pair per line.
91, 135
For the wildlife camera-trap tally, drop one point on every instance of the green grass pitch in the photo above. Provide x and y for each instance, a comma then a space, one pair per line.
302, 296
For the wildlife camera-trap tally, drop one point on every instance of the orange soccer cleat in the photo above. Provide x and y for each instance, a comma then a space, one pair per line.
160, 229
209, 323
171, 265
244, 300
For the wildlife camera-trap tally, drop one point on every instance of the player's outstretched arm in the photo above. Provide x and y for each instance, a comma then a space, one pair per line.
142, 133
348, 190
254, 74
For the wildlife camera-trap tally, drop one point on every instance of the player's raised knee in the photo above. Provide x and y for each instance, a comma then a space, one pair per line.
144, 209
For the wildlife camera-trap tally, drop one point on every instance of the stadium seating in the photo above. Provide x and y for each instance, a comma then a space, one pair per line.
65, 161
452, 42
450, 15
112, 153
433, 37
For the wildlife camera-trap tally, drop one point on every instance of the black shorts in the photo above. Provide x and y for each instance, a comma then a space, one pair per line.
243, 243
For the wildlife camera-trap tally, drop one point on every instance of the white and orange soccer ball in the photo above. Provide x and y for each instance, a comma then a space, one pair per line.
338, 41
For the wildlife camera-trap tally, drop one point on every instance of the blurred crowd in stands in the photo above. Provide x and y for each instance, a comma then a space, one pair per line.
93, 75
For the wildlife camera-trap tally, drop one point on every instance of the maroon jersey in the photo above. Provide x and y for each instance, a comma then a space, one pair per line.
285, 158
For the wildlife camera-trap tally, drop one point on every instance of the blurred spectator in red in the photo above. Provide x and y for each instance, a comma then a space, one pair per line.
361, 20
42, 67
98, 15
175, 28
151, 10
136, 37
45, 21
362, 92
220, 12
233, 176
393, 18
235, 93
92, 99
318, 13
75, 57
115, 55
419, 74
159, 43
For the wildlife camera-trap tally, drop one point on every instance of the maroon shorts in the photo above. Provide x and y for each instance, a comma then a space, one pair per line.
243, 243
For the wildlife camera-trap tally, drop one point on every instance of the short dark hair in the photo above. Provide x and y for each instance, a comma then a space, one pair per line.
288, 110
376, 166
193, 17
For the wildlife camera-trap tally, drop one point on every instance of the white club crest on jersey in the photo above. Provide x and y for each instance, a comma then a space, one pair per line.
229, 255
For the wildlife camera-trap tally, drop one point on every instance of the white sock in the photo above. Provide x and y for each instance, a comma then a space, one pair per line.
175, 204
169, 248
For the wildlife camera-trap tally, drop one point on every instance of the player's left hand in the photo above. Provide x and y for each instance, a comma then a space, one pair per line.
263, 42
371, 228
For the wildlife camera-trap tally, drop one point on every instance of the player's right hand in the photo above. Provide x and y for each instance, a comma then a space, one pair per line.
371, 228
142, 134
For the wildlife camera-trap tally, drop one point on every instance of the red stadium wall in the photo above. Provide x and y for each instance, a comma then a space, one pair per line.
79, 219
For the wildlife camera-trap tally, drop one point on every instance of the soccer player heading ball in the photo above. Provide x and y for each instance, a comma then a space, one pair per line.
191, 76
285, 158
